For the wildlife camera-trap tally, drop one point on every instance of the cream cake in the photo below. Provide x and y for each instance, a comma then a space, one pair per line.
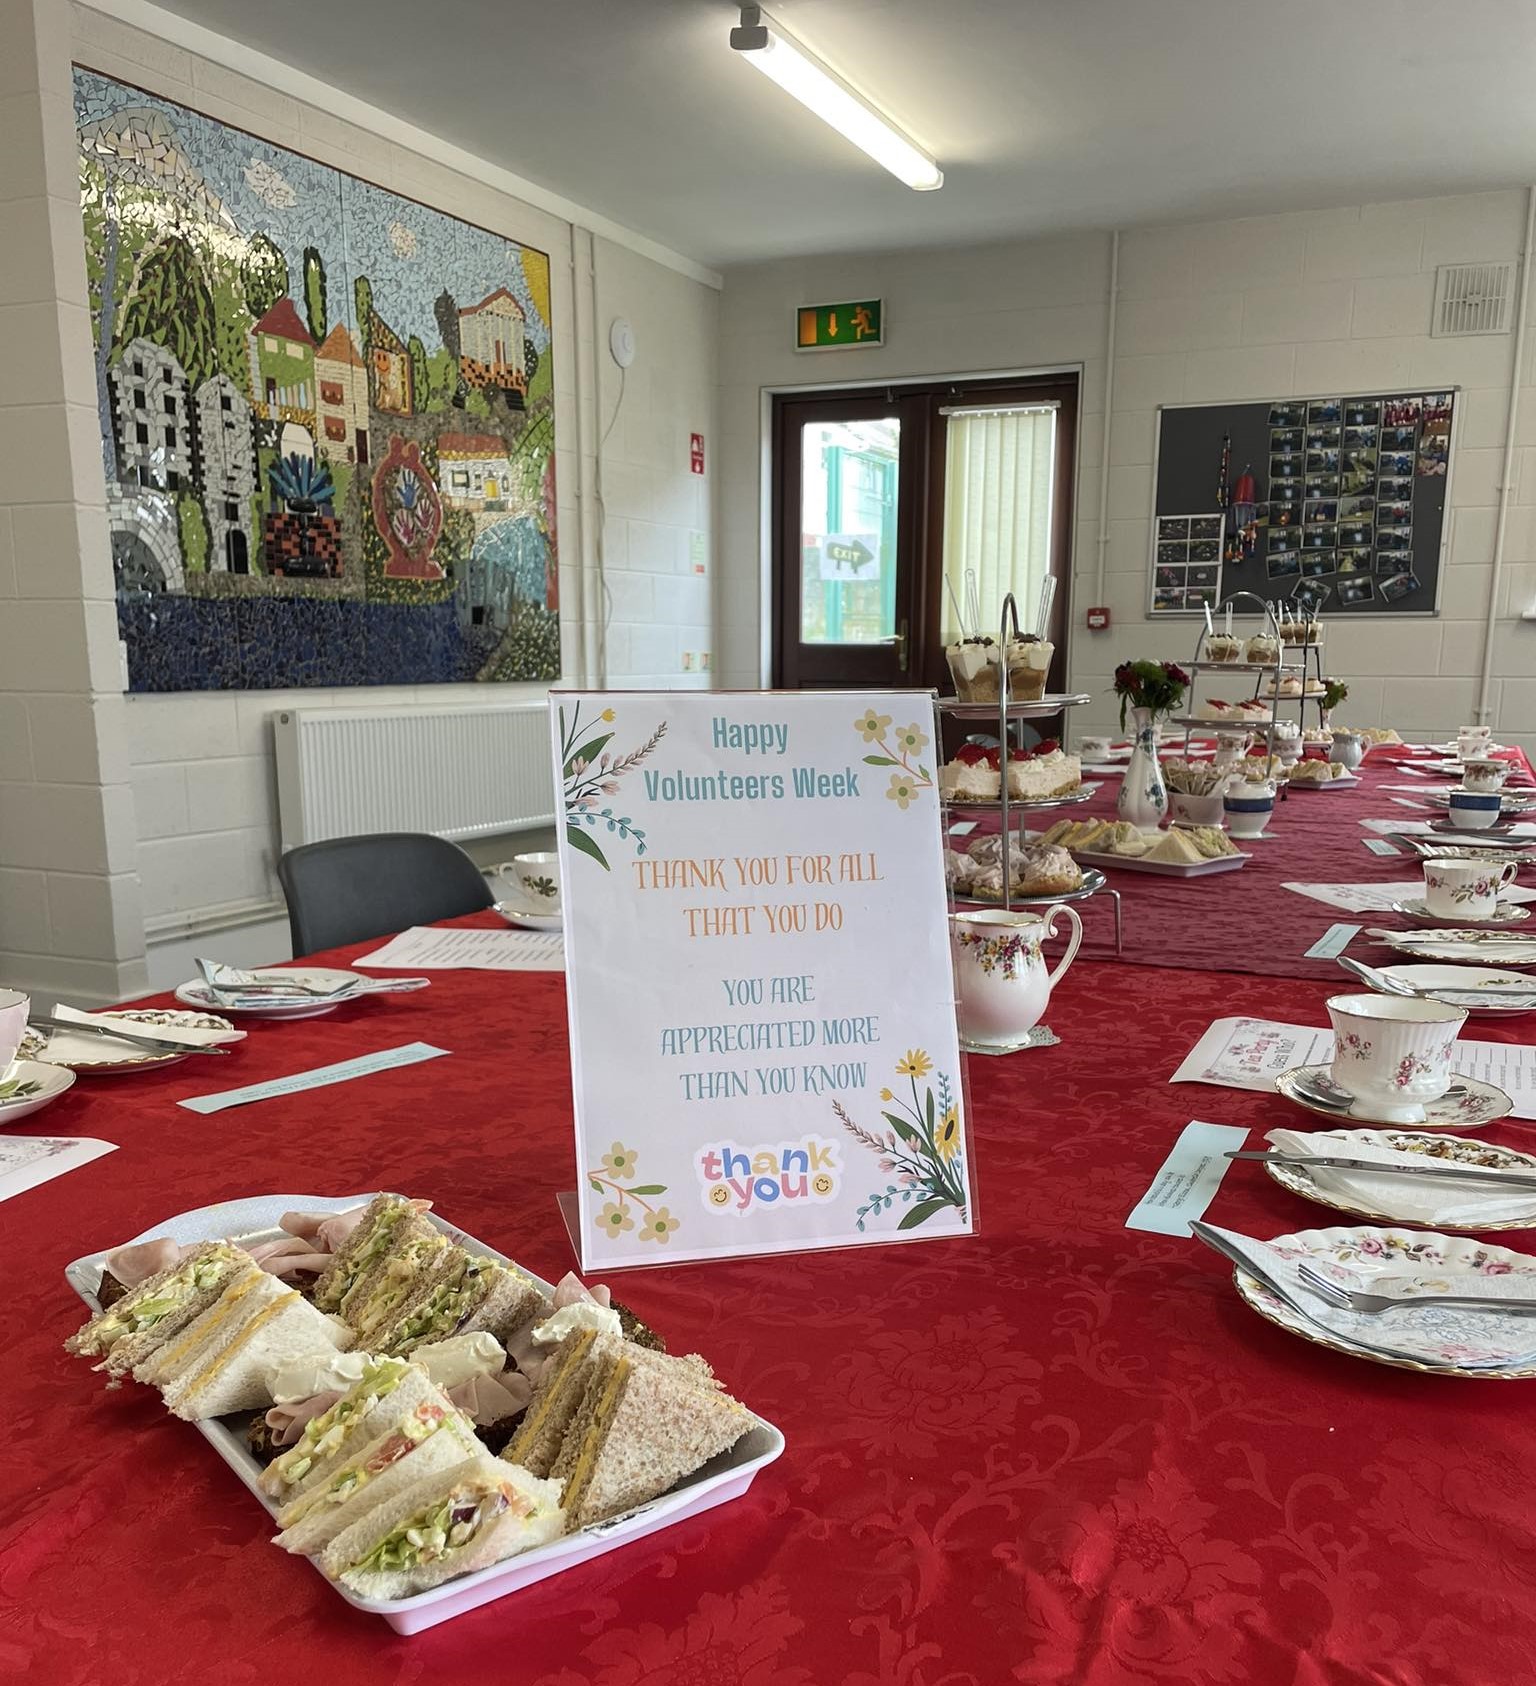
1035, 775
972, 776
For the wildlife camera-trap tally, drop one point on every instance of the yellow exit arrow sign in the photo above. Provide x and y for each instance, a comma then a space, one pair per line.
830, 327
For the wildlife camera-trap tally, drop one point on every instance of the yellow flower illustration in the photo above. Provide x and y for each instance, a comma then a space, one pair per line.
614, 1220
872, 725
914, 1063
886, 1095
658, 1225
947, 1137
607, 715
911, 740
903, 789
619, 1161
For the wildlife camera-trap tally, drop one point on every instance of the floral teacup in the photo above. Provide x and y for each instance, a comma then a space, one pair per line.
1460, 889
999, 973
1483, 774
14, 1007
1393, 1054
537, 879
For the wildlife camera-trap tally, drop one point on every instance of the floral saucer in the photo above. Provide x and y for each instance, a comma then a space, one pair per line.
103, 1056
1385, 1252
28, 1085
526, 919
1437, 1150
1480, 1103
1419, 911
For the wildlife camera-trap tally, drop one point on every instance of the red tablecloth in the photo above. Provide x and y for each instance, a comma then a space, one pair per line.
1056, 1452
1244, 921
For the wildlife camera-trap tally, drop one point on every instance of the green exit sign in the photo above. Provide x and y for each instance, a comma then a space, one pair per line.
829, 327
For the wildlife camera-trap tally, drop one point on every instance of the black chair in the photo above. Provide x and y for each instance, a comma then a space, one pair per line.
349, 889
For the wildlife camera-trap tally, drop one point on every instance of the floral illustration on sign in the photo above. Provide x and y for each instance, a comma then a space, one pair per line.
1007, 954
591, 772
923, 1151
904, 753
628, 1206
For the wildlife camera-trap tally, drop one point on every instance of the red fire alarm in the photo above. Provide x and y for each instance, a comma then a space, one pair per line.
1098, 620
696, 452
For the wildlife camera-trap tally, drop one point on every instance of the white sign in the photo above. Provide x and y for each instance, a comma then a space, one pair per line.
763, 1045
849, 557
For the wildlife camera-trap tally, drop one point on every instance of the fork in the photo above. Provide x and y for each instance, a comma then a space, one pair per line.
1356, 1299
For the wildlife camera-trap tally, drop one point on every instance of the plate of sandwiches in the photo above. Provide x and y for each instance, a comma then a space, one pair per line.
1320, 775
388, 1487
1182, 851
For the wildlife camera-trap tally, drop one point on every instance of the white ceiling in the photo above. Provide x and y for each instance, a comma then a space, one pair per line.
1045, 114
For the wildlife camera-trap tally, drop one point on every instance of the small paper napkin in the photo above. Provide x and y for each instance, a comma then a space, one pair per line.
1406, 1198
190, 1036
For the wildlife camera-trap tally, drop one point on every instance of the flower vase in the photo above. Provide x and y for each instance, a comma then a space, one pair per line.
1325, 719
1143, 798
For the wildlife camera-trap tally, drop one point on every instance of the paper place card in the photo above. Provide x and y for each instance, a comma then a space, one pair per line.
430, 948
1406, 802
26, 1161
1408, 828
1188, 1179
1333, 942
764, 1056
962, 828
387, 1059
1378, 898
1252, 1053
1380, 846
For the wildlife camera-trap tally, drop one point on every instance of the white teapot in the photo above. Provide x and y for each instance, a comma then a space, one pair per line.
1000, 974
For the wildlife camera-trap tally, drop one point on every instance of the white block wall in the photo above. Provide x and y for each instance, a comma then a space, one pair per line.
204, 796
1327, 303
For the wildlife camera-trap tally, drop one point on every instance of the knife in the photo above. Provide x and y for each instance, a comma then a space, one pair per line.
1439, 1171
154, 1043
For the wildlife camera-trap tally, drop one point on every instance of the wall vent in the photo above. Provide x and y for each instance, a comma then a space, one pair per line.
1473, 298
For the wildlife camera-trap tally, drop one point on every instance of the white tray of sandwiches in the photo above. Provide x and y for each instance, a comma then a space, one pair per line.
380, 1477
1182, 851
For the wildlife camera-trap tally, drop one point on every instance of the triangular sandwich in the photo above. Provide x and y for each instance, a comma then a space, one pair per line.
557, 1397
420, 1443
449, 1523
646, 1422
384, 1218
388, 1389
146, 1316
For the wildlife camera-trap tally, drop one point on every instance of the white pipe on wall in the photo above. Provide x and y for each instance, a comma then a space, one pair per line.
1516, 375
1109, 407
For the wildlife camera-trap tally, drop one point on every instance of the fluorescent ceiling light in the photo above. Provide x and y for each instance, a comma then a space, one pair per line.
799, 72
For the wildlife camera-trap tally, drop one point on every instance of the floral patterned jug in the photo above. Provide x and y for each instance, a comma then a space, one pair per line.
1000, 975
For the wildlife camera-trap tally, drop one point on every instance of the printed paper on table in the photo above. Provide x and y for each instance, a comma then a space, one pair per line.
763, 1043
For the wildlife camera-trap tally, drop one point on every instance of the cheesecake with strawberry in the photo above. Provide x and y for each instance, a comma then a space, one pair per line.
973, 776
1035, 775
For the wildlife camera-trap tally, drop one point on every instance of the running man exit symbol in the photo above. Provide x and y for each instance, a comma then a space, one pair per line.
830, 327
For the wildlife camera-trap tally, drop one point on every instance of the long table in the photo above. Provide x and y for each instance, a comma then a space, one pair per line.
1246, 921
1057, 1451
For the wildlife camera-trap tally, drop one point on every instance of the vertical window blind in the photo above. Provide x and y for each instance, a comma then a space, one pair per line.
999, 477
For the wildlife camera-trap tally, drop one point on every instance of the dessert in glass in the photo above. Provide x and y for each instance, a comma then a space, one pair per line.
1223, 647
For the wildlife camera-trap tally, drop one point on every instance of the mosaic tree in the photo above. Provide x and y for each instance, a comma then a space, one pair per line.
264, 275
171, 305
314, 294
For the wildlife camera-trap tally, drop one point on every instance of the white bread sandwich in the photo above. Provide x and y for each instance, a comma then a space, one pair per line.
450, 1523
644, 1423
389, 1389
466, 1294
557, 1396
423, 1441
224, 1359
144, 1318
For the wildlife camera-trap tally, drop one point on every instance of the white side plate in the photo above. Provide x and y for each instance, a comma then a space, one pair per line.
723, 1478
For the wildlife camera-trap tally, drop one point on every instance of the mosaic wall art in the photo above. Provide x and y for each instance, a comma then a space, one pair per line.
327, 416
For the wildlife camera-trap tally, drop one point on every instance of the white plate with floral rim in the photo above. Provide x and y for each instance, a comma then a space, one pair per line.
1461, 942
1437, 1150
100, 1056
1478, 1104
1463, 986
1385, 1252
28, 1085
1420, 912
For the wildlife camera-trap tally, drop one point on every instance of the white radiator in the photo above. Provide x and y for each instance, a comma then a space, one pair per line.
456, 772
